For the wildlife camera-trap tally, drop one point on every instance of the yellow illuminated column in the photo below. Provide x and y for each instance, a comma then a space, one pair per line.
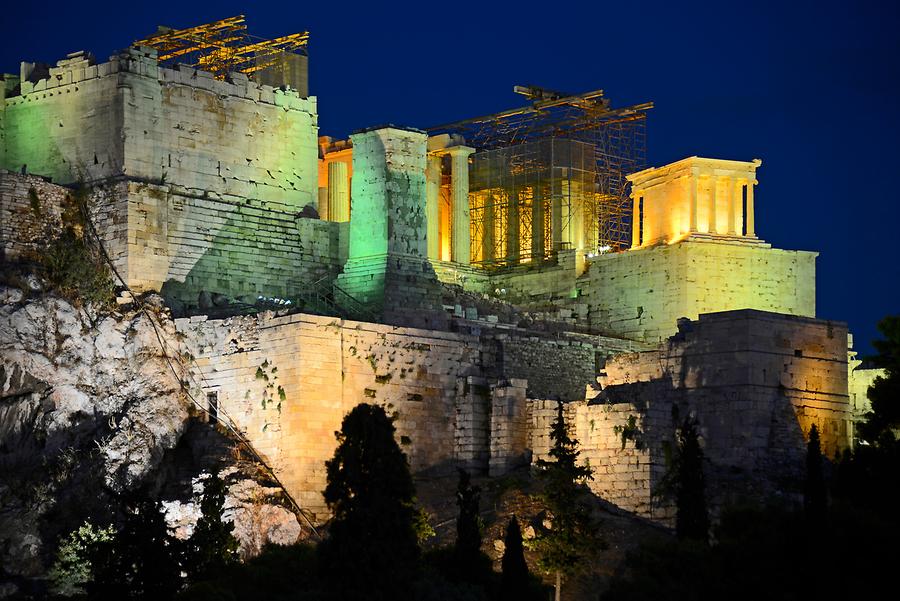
557, 235
730, 186
487, 236
750, 217
713, 228
537, 223
512, 227
432, 208
338, 194
636, 219
460, 250
693, 208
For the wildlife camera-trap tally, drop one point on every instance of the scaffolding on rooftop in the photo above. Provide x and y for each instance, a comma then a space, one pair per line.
222, 47
617, 141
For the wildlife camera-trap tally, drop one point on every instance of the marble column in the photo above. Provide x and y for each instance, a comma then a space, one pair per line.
432, 205
558, 210
731, 187
636, 219
338, 192
512, 228
460, 250
693, 201
713, 227
537, 224
487, 235
751, 226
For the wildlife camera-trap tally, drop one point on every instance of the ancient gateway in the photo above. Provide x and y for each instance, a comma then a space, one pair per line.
467, 276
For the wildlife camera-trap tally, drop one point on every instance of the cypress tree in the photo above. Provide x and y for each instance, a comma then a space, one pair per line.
212, 548
372, 551
692, 517
467, 550
141, 561
514, 582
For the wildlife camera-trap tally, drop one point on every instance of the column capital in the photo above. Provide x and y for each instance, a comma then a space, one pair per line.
457, 151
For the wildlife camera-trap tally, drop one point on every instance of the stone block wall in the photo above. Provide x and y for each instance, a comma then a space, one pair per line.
30, 208
624, 468
325, 367
755, 383
388, 270
32, 211
509, 446
641, 294
128, 117
560, 366
182, 244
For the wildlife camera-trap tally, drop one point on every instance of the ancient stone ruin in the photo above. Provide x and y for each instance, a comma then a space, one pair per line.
464, 277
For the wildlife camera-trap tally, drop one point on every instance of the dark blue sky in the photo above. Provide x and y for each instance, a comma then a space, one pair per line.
811, 88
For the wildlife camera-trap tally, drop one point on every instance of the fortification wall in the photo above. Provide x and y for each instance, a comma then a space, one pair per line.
755, 383
459, 397
128, 117
556, 367
327, 366
641, 294
32, 211
182, 243
67, 127
161, 238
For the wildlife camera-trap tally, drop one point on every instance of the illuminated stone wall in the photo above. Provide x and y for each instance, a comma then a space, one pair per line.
640, 294
756, 383
460, 397
128, 117
327, 366
201, 180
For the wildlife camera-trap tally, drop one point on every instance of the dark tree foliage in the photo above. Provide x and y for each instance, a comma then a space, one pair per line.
884, 393
764, 554
573, 534
514, 584
212, 548
692, 517
471, 563
814, 486
278, 573
372, 551
141, 562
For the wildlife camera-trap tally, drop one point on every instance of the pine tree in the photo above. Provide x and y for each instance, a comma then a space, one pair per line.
212, 548
372, 551
814, 495
692, 517
572, 534
514, 583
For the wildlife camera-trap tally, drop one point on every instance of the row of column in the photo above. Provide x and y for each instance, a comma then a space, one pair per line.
734, 189
460, 236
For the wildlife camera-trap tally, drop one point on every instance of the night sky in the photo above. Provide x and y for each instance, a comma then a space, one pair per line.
811, 88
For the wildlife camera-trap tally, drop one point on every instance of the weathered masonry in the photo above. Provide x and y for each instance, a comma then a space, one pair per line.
467, 277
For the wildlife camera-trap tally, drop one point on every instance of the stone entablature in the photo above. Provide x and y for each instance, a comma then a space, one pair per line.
693, 196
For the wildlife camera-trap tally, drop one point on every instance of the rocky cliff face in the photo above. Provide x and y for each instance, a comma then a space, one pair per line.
91, 408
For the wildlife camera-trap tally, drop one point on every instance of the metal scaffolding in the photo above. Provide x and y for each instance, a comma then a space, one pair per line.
616, 137
222, 47
530, 200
